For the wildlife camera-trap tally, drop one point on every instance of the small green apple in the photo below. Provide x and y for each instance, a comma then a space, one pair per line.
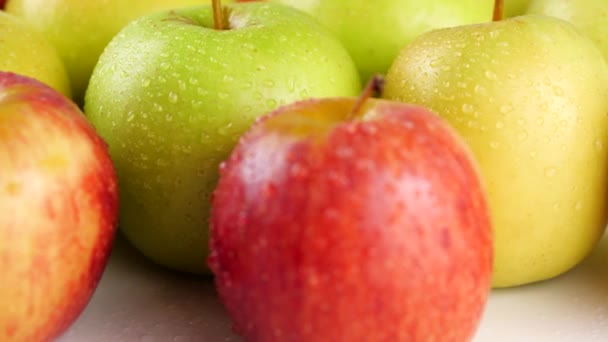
374, 31
530, 96
80, 30
26, 52
171, 95
590, 16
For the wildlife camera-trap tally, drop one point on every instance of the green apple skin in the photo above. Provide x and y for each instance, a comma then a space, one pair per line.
513, 8
530, 96
27, 52
589, 16
172, 96
80, 30
374, 31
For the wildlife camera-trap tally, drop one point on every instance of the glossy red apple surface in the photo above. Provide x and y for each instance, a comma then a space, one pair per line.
58, 210
334, 224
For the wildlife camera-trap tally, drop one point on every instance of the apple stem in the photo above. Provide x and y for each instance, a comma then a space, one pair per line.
218, 15
498, 10
374, 87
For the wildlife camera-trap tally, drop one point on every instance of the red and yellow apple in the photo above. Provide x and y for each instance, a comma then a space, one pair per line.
336, 224
58, 210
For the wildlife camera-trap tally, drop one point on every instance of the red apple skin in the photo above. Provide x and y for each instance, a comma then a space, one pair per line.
58, 210
2, 3
361, 230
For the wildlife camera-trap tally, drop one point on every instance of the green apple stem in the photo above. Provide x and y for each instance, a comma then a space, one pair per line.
374, 87
498, 10
218, 15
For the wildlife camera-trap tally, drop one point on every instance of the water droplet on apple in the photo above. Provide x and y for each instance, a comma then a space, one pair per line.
558, 91
504, 109
145, 83
130, 116
222, 95
162, 79
494, 145
500, 125
225, 130
481, 90
271, 103
533, 154
269, 83
181, 84
157, 107
578, 205
173, 97
491, 75
540, 121
523, 135
550, 171
468, 108
599, 145
169, 117
297, 170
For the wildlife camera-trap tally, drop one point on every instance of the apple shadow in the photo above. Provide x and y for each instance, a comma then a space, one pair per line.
137, 300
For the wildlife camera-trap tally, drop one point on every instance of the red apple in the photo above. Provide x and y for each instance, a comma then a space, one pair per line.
338, 224
58, 210
2, 3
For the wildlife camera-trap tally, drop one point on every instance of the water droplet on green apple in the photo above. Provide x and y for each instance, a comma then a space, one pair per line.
225, 130
130, 116
271, 103
181, 84
468, 108
162, 79
145, 82
169, 117
491, 75
173, 97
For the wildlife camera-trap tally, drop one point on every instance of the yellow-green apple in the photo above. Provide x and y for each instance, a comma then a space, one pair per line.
374, 31
26, 52
530, 96
80, 30
513, 8
338, 222
58, 210
172, 95
589, 16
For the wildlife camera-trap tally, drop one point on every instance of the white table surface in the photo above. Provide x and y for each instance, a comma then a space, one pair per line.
138, 301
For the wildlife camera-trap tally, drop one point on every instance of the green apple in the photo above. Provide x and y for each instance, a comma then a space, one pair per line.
26, 52
590, 16
171, 95
513, 8
530, 96
374, 31
80, 30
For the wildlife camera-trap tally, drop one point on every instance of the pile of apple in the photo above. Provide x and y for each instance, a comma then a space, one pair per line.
242, 143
